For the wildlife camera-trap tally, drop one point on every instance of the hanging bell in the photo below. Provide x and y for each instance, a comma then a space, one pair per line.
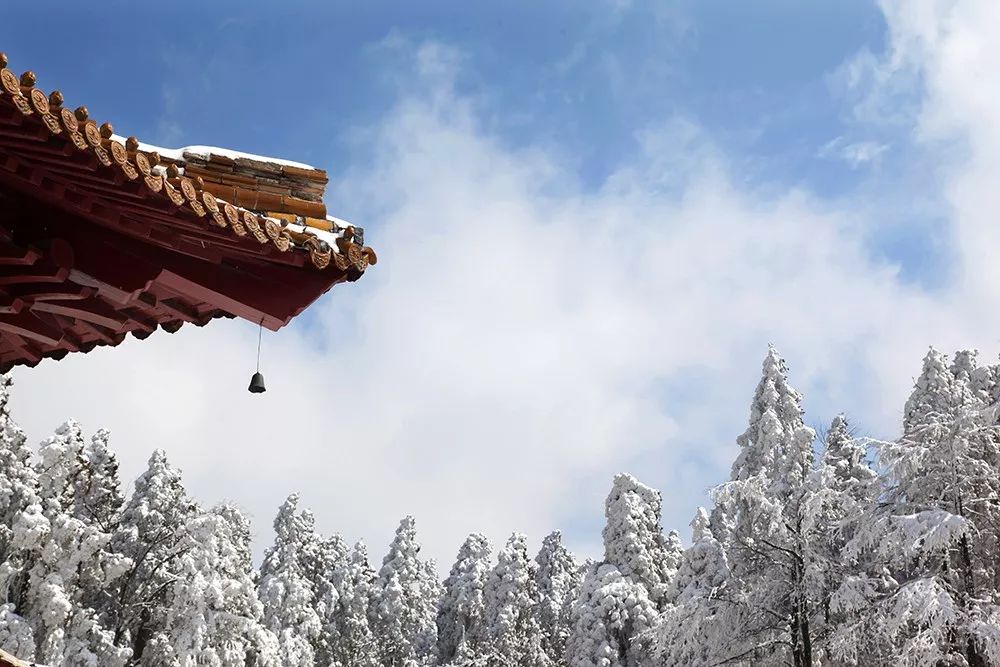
257, 383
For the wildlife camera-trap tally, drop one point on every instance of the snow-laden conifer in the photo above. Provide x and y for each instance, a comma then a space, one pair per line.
692, 629
759, 518
633, 537
68, 565
18, 477
347, 626
511, 615
558, 578
213, 615
612, 618
286, 589
933, 531
406, 610
461, 613
321, 558
99, 497
18, 492
151, 534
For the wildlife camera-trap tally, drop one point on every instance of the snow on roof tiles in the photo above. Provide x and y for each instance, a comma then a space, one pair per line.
237, 191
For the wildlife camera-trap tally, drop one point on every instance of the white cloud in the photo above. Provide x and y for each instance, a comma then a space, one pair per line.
522, 339
855, 154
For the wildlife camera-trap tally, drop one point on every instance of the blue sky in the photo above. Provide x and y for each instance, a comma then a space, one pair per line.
304, 79
592, 217
301, 78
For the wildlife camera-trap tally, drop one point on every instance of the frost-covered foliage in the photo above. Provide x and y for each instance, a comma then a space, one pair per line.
322, 558
761, 518
349, 606
817, 553
692, 630
461, 613
511, 626
611, 616
933, 534
214, 617
558, 578
286, 590
408, 595
151, 535
633, 537
18, 479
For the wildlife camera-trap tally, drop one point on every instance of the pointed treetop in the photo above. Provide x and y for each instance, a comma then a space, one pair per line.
459, 616
511, 600
936, 394
291, 525
844, 455
409, 592
359, 552
777, 441
700, 526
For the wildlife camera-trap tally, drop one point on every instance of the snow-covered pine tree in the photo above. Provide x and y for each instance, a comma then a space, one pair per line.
979, 381
18, 492
759, 518
69, 565
405, 615
321, 558
942, 479
460, 614
633, 537
286, 589
558, 578
350, 637
152, 534
841, 491
97, 502
513, 633
694, 626
213, 616
612, 617
18, 477
99, 498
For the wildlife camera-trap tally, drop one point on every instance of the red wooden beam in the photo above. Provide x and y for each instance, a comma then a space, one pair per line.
27, 325
94, 311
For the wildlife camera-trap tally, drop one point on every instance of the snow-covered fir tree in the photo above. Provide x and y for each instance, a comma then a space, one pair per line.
841, 491
692, 629
558, 578
513, 634
349, 605
611, 620
18, 477
151, 534
405, 615
759, 518
634, 540
18, 492
933, 532
214, 617
321, 559
286, 589
99, 497
69, 566
461, 613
